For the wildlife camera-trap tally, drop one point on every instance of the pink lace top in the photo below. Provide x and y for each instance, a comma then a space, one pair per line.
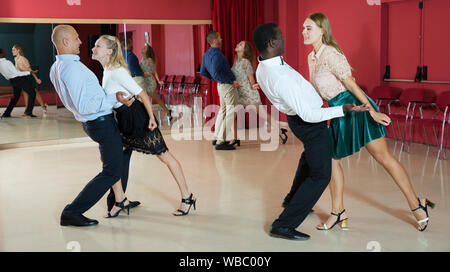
326, 70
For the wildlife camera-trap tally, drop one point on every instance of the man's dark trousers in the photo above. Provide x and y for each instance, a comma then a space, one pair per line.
104, 131
313, 172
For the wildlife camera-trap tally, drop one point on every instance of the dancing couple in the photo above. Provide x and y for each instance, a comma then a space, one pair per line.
235, 86
93, 105
352, 127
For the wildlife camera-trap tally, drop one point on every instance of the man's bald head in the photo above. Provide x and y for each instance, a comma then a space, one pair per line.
65, 38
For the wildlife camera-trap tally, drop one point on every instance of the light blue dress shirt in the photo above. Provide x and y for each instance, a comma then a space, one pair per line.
79, 89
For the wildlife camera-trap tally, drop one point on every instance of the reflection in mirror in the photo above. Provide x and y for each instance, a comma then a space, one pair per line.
32, 117
169, 59
167, 62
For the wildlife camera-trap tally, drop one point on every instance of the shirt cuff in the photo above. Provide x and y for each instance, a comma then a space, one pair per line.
340, 111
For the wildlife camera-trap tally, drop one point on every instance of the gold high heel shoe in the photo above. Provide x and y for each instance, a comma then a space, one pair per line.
343, 222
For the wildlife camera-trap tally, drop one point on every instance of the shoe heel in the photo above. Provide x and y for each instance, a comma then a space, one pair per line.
344, 224
429, 203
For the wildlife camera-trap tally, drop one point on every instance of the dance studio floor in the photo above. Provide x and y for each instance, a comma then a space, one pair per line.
239, 195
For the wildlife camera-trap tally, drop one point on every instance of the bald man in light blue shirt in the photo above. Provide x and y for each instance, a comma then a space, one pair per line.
81, 93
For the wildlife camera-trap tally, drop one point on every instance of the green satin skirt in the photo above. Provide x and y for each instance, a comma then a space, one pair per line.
354, 130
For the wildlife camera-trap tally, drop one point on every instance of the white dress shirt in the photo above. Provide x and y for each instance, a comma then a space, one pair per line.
290, 93
8, 70
119, 80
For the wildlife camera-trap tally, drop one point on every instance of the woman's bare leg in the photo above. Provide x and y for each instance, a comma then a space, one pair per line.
336, 187
379, 150
177, 173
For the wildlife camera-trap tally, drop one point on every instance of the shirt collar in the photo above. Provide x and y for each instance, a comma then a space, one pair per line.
319, 52
275, 61
68, 57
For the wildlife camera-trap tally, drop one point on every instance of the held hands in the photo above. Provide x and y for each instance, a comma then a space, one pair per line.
380, 118
122, 98
152, 124
237, 84
354, 108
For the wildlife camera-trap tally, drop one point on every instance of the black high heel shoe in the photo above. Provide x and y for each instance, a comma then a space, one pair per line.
170, 115
236, 142
343, 222
189, 201
424, 222
283, 135
122, 206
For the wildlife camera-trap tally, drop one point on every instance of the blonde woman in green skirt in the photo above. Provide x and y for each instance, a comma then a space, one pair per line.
331, 75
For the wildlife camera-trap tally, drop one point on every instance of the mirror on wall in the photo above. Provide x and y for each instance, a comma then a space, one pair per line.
176, 58
28, 44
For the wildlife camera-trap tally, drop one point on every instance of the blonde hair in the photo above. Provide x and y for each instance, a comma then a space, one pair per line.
322, 21
116, 59
19, 49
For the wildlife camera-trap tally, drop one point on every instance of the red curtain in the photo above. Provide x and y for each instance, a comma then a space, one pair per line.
235, 20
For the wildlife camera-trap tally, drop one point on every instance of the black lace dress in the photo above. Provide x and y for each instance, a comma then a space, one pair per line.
133, 126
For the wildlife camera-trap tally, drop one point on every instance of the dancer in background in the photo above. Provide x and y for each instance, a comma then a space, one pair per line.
19, 81
215, 67
148, 66
22, 64
243, 70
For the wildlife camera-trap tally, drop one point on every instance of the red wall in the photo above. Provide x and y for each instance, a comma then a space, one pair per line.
179, 45
356, 27
108, 9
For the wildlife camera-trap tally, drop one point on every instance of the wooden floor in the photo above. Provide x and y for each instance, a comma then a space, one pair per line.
239, 195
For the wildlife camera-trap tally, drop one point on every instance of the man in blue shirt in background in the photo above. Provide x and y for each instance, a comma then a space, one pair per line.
215, 67
81, 93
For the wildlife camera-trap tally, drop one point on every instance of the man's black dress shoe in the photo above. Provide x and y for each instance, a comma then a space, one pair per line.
225, 146
77, 221
6, 116
30, 115
288, 233
214, 142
